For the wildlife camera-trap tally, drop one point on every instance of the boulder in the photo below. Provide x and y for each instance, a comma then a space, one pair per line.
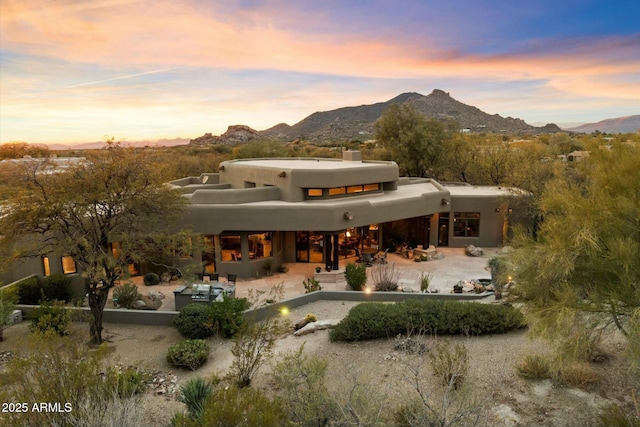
156, 296
139, 305
316, 326
165, 277
472, 250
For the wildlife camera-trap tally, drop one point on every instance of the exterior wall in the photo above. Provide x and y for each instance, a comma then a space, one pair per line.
491, 222
33, 266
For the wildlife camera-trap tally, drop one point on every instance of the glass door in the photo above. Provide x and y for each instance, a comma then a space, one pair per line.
302, 246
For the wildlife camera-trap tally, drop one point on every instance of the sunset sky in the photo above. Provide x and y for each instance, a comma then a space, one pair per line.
77, 71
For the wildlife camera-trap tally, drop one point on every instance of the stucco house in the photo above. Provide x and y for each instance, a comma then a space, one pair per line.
267, 212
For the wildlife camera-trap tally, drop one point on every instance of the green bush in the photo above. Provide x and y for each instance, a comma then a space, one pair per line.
311, 285
194, 321
377, 320
188, 353
226, 317
194, 393
126, 294
151, 279
57, 287
50, 316
355, 275
30, 291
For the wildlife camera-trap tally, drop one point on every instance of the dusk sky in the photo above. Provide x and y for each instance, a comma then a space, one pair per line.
77, 71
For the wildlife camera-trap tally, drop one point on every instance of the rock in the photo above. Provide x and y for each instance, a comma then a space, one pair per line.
139, 305
165, 277
316, 326
156, 296
471, 250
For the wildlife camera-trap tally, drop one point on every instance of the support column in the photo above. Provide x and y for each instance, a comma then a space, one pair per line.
336, 252
327, 251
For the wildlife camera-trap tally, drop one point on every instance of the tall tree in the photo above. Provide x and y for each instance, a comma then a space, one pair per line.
582, 272
114, 196
415, 142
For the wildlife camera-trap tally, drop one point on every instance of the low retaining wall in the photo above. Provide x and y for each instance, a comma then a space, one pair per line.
165, 318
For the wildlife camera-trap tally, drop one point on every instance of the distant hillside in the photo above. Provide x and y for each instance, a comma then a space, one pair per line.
358, 122
628, 124
101, 144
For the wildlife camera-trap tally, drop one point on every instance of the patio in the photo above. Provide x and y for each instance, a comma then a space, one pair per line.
445, 273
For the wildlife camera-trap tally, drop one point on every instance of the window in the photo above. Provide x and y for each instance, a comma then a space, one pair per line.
208, 253
466, 224
46, 268
342, 191
68, 265
260, 245
231, 249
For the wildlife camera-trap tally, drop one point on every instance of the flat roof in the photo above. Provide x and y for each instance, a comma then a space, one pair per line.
311, 163
478, 190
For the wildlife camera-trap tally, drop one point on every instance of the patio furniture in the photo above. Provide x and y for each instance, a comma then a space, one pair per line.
231, 278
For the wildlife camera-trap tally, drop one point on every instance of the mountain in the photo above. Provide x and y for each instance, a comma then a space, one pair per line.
101, 144
235, 134
358, 122
628, 124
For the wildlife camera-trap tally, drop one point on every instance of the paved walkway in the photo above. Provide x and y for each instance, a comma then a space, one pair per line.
445, 272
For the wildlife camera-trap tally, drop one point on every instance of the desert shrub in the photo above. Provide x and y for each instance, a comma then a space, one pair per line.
50, 317
126, 381
188, 353
252, 348
450, 365
369, 321
425, 281
194, 393
616, 416
226, 317
151, 279
355, 275
311, 285
194, 321
300, 381
409, 345
126, 294
534, 366
378, 320
385, 277
29, 291
49, 368
57, 287
247, 407
578, 374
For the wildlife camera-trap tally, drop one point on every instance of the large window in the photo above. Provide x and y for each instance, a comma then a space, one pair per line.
260, 245
341, 191
68, 265
208, 253
231, 248
466, 224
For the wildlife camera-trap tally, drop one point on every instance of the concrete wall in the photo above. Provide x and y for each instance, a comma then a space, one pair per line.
165, 318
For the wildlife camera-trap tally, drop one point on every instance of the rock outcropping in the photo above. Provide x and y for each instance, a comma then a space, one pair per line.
235, 134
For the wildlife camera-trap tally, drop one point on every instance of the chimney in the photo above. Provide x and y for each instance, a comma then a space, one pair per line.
352, 156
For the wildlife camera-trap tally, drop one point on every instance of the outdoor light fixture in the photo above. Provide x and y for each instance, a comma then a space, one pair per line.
510, 210
497, 210
282, 174
444, 202
348, 216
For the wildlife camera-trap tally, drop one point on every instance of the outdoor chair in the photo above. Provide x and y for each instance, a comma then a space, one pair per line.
231, 278
215, 277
